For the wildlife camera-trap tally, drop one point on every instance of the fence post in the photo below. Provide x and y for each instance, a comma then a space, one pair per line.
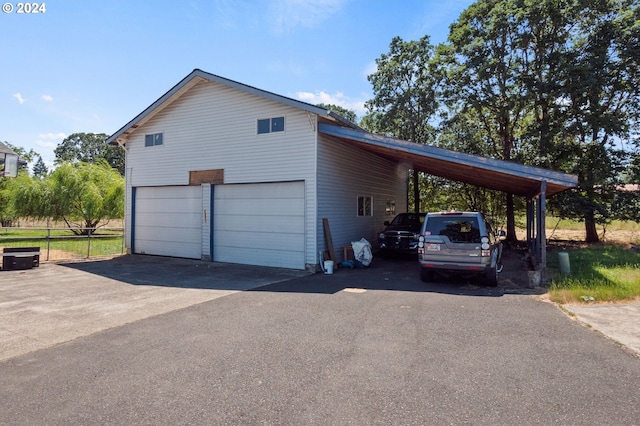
89, 243
48, 242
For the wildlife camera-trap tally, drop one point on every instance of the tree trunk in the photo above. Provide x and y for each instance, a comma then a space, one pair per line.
590, 228
511, 221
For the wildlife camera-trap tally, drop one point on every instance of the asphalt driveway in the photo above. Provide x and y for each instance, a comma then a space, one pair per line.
372, 346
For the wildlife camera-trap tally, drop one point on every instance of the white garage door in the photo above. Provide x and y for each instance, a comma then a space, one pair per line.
168, 221
260, 224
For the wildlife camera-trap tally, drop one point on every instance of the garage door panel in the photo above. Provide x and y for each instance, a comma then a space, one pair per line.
274, 258
269, 206
150, 233
250, 223
171, 220
260, 240
168, 221
169, 248
167, 205
260, 224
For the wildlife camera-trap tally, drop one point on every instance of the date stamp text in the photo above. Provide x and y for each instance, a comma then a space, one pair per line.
24, 8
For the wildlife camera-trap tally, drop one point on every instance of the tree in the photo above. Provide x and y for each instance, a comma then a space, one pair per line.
90, 148
23, 154
80, 194
552, 83
341, 111
482, 67
7, 212
601, 107
40, 169
404, 102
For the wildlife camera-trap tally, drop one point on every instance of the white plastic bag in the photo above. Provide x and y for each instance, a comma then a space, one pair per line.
362, 251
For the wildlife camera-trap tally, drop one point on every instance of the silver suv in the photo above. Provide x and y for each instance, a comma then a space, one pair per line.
459, 242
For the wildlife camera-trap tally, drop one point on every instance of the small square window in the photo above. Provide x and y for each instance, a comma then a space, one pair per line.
264, 126
277, 124
269, 125
153, 140
365, 206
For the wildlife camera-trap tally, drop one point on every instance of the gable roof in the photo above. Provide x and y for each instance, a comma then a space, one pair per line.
491, 173
198, 76
484, 172
5, 149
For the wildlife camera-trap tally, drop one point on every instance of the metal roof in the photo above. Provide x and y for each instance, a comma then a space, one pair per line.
5, 149
485, 172
199, 76
500, 175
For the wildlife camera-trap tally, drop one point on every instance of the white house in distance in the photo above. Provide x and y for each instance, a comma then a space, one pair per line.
218, 170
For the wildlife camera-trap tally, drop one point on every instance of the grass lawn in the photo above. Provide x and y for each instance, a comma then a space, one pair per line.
599, 273
62, 243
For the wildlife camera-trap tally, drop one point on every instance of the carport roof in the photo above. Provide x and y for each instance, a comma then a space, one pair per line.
484, 172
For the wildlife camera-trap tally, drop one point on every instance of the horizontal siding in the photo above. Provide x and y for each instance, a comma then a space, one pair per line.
214, 127
344, 173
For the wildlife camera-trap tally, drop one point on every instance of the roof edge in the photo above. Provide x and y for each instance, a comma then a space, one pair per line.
533, 172
198, 73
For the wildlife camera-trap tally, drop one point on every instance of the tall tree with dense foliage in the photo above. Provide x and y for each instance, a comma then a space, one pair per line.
601, 107
404, 103
82, 195
90, 148
552, 84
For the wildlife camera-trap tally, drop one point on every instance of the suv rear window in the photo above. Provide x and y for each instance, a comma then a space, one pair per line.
457, 229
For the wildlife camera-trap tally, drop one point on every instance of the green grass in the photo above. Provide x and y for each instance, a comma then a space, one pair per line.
62, 243
600, 273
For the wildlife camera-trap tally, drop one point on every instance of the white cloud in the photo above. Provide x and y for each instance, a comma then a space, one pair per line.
47, 98
19, 97
338, 98
289, 14
50, 140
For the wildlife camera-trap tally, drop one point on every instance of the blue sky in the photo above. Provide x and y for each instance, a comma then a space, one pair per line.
91, 66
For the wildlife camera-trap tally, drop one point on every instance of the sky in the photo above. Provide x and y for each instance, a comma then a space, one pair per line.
91, 66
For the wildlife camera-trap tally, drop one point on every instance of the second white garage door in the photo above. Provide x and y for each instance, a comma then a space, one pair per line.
260, 224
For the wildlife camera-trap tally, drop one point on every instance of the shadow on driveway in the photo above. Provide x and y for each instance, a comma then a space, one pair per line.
184, 273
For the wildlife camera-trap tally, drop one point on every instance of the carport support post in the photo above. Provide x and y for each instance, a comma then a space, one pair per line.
530, 225
542, 237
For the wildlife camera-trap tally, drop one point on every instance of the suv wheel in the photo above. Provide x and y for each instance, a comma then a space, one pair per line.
426, 275
491, 277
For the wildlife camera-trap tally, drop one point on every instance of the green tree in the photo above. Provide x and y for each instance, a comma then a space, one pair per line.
482, 65
552, 84
90, 148
40, 169
80, 194
601, 108
341, 111
23, 154
404, 103
7, 213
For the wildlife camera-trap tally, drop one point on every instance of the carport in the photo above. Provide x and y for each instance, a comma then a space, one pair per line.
533, 183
